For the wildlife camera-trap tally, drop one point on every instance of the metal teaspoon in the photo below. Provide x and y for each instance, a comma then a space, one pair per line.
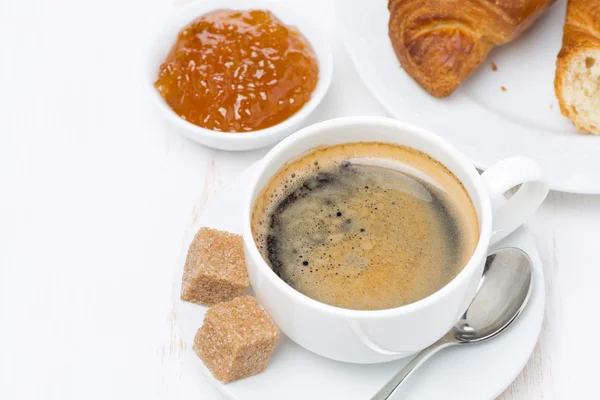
502, 294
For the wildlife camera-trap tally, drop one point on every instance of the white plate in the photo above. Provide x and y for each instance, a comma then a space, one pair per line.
480, 119
474, 372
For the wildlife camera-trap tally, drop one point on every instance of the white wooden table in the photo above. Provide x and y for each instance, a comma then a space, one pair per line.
97, 195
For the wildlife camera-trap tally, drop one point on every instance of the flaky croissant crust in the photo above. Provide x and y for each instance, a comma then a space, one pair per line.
441, 42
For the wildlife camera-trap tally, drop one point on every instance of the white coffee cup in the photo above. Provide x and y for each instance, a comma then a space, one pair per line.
360, 336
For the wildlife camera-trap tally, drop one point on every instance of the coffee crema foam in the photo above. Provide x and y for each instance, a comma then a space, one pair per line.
365, 226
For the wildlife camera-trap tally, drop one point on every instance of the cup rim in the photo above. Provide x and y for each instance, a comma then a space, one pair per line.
485, 217
313, 34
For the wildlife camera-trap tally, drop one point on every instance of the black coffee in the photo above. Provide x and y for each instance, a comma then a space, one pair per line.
365, 226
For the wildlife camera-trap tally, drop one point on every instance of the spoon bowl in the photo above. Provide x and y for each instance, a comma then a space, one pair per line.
503, 292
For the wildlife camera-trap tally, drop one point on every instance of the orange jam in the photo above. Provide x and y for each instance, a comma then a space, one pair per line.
238, 71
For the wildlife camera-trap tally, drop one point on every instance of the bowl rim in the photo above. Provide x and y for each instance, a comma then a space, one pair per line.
316, 38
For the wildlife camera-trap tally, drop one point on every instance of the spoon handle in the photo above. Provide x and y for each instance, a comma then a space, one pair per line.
393, 384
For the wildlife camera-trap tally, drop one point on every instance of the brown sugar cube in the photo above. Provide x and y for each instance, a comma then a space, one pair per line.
215, 268
236, 339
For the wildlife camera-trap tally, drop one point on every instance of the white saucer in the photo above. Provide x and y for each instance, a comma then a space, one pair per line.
474, 372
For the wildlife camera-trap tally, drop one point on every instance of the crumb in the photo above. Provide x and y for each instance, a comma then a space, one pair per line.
494, 67
589, 62
503, 88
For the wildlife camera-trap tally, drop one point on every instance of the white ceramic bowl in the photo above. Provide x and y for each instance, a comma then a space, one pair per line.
167, 34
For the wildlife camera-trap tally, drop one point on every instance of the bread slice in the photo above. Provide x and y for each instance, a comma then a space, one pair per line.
578, 90
577, 82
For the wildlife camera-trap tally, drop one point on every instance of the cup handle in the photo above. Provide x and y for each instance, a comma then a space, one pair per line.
508, 215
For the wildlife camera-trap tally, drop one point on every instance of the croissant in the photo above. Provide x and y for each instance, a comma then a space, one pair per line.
577, 82
441, 42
